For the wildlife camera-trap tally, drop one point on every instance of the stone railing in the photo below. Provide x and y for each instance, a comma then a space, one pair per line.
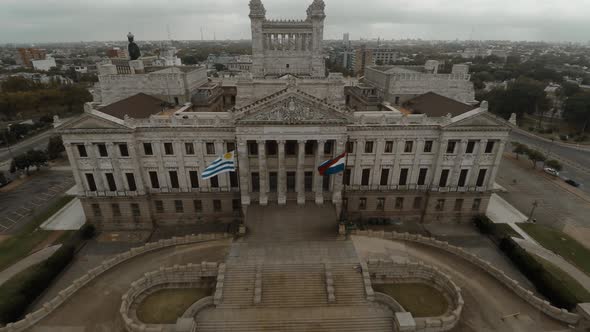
383, 271
559, 314
106, 265
186, 276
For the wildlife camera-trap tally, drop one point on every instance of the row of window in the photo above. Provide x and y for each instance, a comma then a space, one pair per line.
159, 207
417, 204
409, 147
148, 150
193, 179
102, 150
404, 173
111, 183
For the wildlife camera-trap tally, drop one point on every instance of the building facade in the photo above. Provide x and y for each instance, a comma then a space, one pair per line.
137, 163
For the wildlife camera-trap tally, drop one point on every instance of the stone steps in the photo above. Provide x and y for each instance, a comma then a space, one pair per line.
238, 289
348, 284
345, 324
293, 285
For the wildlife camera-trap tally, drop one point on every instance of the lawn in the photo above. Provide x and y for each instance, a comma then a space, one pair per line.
569, 283
20, 245
419, 299
166, 305
561, 244
507, 230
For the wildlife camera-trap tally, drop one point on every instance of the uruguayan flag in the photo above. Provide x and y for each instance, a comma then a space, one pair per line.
222, 165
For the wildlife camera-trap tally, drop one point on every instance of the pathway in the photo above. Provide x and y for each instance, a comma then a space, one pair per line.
27, 262
501, 212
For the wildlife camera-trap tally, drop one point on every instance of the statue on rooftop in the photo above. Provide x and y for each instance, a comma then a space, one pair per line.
133, 49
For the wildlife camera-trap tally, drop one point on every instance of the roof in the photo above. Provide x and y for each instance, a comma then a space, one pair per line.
435, 105
139, 106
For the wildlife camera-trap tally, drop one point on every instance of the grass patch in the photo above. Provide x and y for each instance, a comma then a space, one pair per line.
569, 283
419, 299
561, 244
166, 305
507, 230
20, 245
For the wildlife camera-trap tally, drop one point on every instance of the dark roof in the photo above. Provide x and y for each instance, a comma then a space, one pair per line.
435, 105
139, 106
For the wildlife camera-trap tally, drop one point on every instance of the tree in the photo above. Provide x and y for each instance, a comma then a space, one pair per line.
37, 158
519, 149
556, 165
219, 67
55, 147
75, 96
525, 95
536, 156
577, 110
569, 89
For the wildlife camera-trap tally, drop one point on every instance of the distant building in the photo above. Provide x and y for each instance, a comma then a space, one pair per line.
25, 56
346, 39
44, 65
233, 63
364, 57
116, 52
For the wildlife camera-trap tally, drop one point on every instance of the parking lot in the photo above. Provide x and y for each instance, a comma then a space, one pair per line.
19, 205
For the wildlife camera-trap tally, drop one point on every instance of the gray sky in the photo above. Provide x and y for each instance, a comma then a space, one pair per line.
85, 20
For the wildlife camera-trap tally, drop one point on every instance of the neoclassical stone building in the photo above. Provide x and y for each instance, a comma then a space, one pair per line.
137, 162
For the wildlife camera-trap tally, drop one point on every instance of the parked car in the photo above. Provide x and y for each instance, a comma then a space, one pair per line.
551, 171
572, 183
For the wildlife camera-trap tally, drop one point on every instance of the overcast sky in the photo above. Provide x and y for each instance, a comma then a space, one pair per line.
85, 20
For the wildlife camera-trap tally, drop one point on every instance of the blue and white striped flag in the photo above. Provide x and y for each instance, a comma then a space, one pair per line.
224, 164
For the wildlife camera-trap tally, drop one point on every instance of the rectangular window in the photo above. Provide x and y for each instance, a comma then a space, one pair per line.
463, 177
366, 175
290, 148
168, 149
189, 148
147, 149
124, 150
178, 206
273, 181
422, 176
214, 181
233, 180
328, 147
210, 147
326, 183
362, 203
476, 204
90, 181
308, 181
309, 148
349, 147
381, 204
384, 177
82, 151
444, 176
252, 148
291, 182
428, 146
451, 147
470, 147
116, 210
440, 205
111, 181
174, 179
417, 203
409, 147
198, 205
96, 210
490, 147
255, 182
154, 180
369, 147
399, 203
159, 205
102, 150
271, 148
216, 205
194, 177
236, 205
231, 146
403, 176
389, 147
458, 204
347, 174
131, 181
481, 176
135, 210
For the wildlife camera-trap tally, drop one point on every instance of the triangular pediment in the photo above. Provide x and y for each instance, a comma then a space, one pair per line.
93, 122
291, 106
478, 119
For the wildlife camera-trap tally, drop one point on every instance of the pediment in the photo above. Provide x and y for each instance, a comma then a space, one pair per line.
292, 107
483, 120
92, 122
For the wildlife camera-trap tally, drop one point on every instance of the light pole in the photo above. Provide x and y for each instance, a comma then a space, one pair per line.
535, 204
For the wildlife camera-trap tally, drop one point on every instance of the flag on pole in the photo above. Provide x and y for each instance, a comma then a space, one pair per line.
333, 166
224, 164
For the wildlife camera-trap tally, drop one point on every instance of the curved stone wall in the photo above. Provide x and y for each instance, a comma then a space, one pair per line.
383, 271
106, 265
560, 314
185, 276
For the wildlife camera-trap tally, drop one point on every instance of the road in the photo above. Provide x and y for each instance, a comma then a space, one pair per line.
576, 163
39, 141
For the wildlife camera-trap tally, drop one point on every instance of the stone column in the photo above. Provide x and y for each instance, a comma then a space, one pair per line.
262, 169
282, 176
415, 171
91, 151
244, 173
223, 178
200, 151
442, 146
338, 179
180, 150
75, 170
114, 157
497, 161
317, 178
458, 161
380, 146
159, 152
399, 149
300, 176
475, 168
358, 170
135, 155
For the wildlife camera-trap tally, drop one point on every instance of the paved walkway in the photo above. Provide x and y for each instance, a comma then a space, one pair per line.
27, 262
70, 217
501, 212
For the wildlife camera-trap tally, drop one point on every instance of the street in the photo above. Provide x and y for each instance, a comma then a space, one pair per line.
39, 141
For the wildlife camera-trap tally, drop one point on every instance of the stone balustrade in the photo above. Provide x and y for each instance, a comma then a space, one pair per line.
544, 306
383, 271
186, 276
106, 265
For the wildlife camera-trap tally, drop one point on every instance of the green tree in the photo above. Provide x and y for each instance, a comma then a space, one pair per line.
18, 84
37, 158
75, 96
519, 149
55, 147
577, 110
535, 157
522, 96
569, 89
219, 67
556, 165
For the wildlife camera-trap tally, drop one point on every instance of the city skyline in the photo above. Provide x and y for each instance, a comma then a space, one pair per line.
25, 22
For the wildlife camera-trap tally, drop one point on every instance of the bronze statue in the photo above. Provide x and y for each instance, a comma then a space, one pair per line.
133, 49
